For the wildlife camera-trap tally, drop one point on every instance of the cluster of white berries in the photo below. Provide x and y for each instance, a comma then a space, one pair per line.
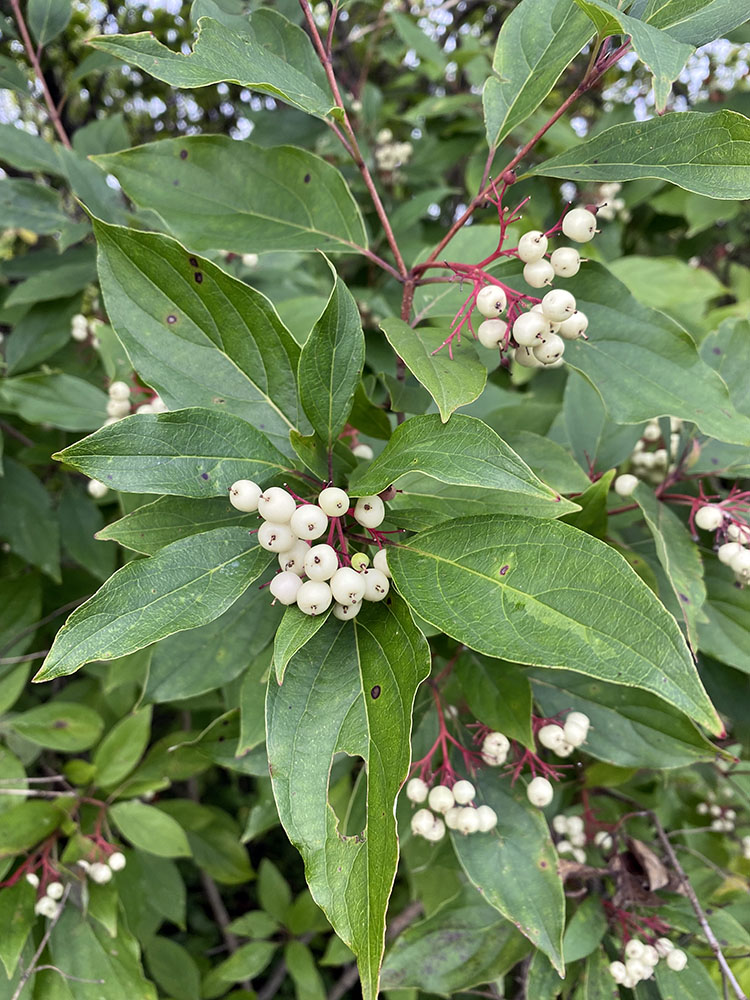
390, 155
102, 873
731, 553
455, 806
562, 739
80, 328
641, 960
48, 904
571, 830
611, 206
495, 748
650, 464
288, 529
722, 820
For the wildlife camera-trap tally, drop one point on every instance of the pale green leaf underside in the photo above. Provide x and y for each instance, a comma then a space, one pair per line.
451, 383
189, 453
464, 452
218, 55
696, 21
350, 689
663, 55
218, 193
705, 153
536, 42
493, 861
295, 630
546, 594
186, 584
197, 335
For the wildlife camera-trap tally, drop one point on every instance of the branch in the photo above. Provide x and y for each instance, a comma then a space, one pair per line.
7, 661
351, 144
34, 60
42, 621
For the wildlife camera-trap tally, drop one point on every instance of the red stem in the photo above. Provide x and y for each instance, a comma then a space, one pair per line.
34, 60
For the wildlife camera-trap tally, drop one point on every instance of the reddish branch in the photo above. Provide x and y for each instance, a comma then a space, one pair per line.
34, 60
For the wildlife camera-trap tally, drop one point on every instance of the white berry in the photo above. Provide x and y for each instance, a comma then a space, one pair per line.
117, 861
32, 879
492, 333
728, 551
565, 261
118, 408
348, 586
676, 960
284, 587
436, 831
491, 301
468, 821
363, 451
463, 792
532, 246
634, 948
526, 358
314, 597
539, 792
416, 790
345, 612
333, 501
99, 873
55, 890
574, 733
275, 504
739, 533
143, 408
294, 559
495, 749
421, 822
664, 946
119, 390
538, 273
275, 537
376, 585
709, 517
46, 907
487, 818
563, 749
380, 561
244, 495
308, 521
579, 718
369, 511
96, 489
451, 817
528, 327
441, 798
575, 326
650, 955
551, 736
552, 349
558, 305
580, 225
617, 971
625, 485
321, 562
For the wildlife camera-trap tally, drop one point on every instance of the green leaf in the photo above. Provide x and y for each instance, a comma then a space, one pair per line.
549, 460
122, 748
451, 383
295, 629
705, 153
273, 56
31, 206
24, 825
71, 273
149, 829
516, 587
214, 839
11, 77
308, 982
350, 688
464, 451
463, 944
330, 365
216, 343
48, 18
629, 344
274, 893
60, 400
186, 584
421, 494
520, 843
538, 39
249, 960
60, 725
82, 519
499, 694
696, 23
190, 453
693, 983
20, 607
593, 517
173, 968
28, 152
662, 53
596, 982
297, 201
726, 634
27, 522
154, 525
17, 917
629, 728
679, 556
543, 982
585, 930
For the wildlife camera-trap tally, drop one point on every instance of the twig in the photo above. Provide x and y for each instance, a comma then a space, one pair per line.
697, 908
42, 945
7, 661
278, 974
42, 621
34, 60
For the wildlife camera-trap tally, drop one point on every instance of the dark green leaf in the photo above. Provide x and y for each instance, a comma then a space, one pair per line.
585, 930
541, 592
330, 365
214, 839
549, 460
60, 725
274, 893
81, 519
150, 829
60, 400
705, 153
451, 383
186, 584
693, 983
173, 968
121, 748
11, 76
499, 694
726, 634
30, 206
24, 825
190, 453
17, 917
48, 18
26, 519
40, 333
